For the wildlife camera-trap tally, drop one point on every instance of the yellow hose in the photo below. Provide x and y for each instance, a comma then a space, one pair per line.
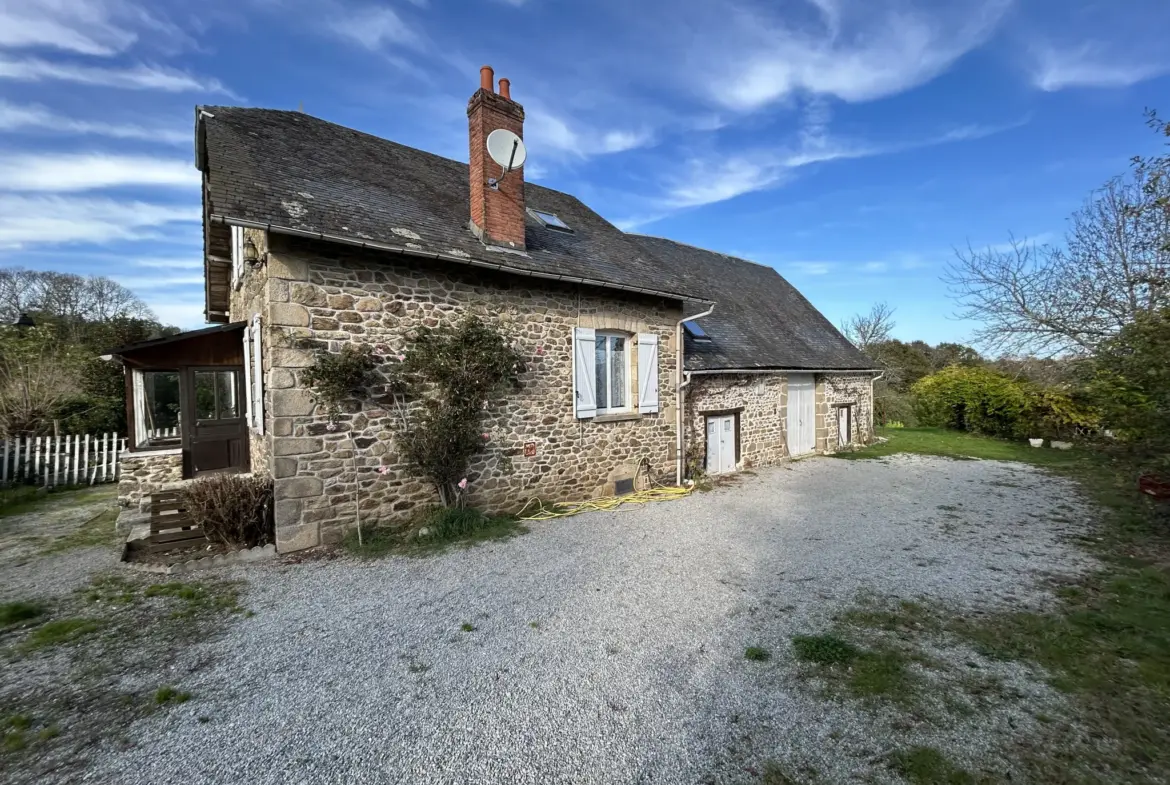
658, 493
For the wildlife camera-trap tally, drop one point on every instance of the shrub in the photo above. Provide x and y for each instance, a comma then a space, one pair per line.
233, 509
980, 400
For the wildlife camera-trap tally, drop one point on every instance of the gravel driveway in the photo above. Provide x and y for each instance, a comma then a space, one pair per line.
609, 648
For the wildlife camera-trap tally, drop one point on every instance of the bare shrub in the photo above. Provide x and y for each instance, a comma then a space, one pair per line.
233, 509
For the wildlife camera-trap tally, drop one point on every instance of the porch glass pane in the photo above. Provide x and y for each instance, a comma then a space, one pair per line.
159, 409
215, 395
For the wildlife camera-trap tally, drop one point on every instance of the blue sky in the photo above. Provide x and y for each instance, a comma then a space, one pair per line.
849, 143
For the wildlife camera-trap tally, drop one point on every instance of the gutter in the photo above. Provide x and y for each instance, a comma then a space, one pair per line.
470, 261
683, 379
731, 371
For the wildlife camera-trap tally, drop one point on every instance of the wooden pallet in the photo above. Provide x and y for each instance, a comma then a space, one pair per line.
170, 525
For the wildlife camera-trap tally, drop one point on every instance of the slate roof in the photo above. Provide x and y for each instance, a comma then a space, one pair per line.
760, 320
294, 171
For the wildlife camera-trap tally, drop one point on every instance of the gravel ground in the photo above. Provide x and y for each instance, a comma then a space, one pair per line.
26, 573
608, 648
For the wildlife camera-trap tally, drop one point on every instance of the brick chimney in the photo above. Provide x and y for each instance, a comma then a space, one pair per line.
497, 214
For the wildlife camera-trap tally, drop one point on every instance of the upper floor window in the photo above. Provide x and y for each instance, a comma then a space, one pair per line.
613, 374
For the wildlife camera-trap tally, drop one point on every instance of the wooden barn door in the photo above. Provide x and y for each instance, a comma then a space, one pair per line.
214, 417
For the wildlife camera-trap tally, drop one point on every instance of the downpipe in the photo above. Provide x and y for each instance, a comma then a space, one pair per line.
682, 378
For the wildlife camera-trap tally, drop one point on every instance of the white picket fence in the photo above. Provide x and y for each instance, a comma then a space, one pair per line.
61, 460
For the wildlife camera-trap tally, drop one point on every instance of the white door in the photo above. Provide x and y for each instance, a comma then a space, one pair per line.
721, 444
802, 414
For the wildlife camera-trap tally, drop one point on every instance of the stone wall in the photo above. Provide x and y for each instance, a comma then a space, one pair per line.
856, 389
314, 294
256, 289
762, 401
143, 473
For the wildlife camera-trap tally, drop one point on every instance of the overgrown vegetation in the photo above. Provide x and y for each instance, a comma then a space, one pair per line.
99, 530
984, 401
233, 509
60, 632
16, 612
1107, 642
928, 766
864, 672
757, 654
433, 530
51, 373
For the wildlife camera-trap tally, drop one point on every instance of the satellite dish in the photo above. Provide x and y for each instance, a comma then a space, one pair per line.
506, 149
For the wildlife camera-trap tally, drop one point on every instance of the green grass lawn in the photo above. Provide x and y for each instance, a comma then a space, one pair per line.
1107, 643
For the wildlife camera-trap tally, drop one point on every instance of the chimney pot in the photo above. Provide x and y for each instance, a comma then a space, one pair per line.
487, 78
506, 88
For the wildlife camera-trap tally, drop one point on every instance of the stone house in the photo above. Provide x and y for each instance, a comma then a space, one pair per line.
646, 359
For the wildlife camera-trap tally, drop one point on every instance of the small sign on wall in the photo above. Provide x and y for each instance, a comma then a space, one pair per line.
530, 449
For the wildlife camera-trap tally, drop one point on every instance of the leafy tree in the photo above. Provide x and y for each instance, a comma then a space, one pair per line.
1129, 381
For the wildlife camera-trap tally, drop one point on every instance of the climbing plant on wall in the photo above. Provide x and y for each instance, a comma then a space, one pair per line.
442, 387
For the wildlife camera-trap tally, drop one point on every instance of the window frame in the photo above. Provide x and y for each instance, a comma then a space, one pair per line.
629, 405
142, 442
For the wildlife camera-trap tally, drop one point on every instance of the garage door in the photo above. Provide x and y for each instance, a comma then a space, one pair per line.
802, 422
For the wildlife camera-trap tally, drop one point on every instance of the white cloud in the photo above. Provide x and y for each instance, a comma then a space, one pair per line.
87, 171
877, 50
154, 282
59, 220
811, 268
138, 77
1090, 65
14, 117
875, 267
374, 27
185, 313
86, 27
193, 262
545, 130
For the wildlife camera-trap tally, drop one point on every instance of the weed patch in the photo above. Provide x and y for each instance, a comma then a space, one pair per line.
824, 649
60, 632
16, 612
168, 694
434, 531
756, 654
928, 766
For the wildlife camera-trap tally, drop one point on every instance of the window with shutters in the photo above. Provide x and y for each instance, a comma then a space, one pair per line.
604, 378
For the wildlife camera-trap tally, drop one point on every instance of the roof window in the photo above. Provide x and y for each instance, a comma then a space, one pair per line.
696, 332
550, 220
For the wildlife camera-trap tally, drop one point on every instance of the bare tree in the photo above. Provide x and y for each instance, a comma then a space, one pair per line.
37, 373
71, 299
865, 330
1047, 300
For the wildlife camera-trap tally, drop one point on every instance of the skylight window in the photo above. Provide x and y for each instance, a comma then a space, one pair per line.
695, 331
550, 220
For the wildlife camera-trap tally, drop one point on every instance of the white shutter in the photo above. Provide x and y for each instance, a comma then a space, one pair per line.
140, 424
647, 373
585, 372
237, 255
258, 377
251, 422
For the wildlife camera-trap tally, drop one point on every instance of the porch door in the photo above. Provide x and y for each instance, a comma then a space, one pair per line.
802, 414
721, 444
214, 412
